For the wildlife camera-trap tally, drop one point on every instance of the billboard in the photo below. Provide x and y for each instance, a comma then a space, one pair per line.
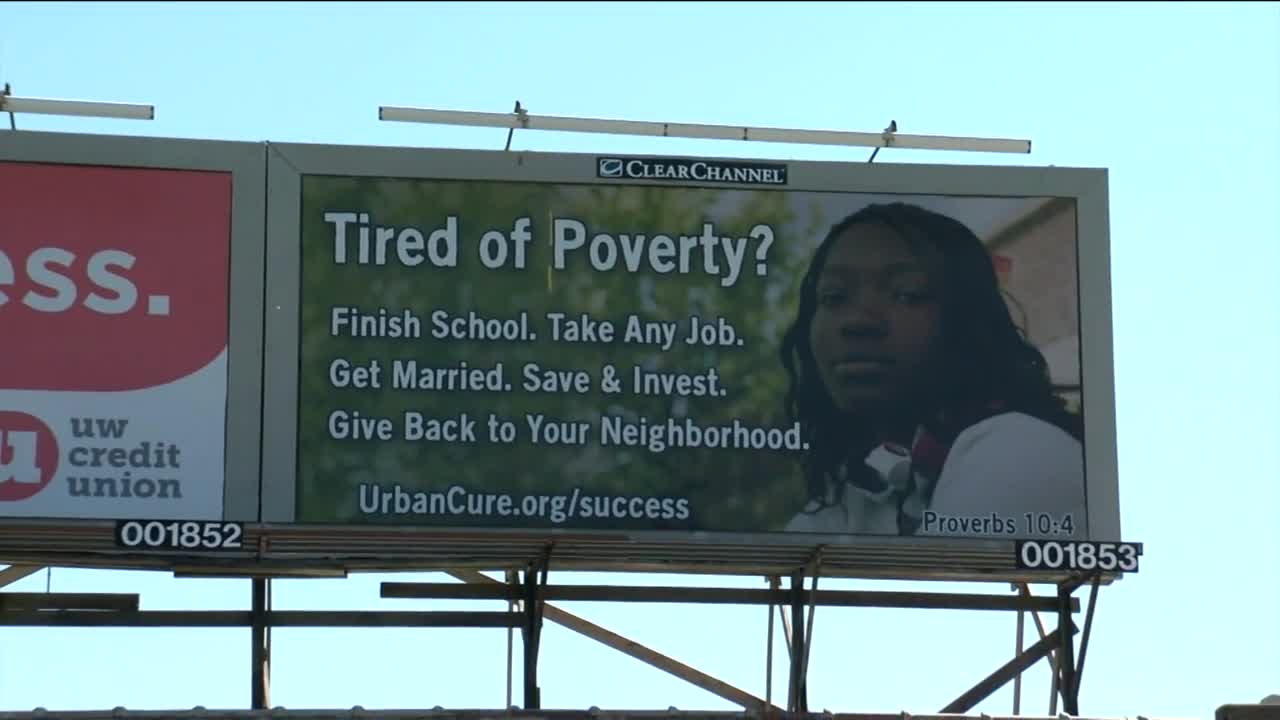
130, 311
365, 356
775, 352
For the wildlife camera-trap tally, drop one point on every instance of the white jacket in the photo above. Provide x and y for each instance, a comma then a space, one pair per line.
996, 473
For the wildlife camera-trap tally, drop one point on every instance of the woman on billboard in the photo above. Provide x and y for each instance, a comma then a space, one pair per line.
924, 409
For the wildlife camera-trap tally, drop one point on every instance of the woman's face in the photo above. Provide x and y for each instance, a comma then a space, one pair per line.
878, 320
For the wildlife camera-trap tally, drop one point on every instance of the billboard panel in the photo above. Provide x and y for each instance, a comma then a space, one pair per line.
688, 348
130, 302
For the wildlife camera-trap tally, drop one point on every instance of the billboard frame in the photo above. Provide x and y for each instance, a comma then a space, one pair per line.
273, 547
527, 594
244, 162
660, 551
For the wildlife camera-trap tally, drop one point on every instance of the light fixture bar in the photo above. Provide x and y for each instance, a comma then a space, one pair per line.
81, 108
523, 120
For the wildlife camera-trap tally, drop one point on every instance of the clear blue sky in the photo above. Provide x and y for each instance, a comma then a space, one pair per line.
1181, 102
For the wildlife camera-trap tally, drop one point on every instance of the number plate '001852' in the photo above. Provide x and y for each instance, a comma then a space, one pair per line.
201, 535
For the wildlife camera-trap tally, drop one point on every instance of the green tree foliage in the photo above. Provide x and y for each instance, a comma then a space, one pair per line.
730, 490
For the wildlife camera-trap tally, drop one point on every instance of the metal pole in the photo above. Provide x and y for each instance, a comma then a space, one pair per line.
14, 573
512, 579
260, 634
808, 643
768, 663
627, 646
1088, 627
1017, 679
995, 680
1053, 660
535, 583
1066, 660
795, 694
531, 640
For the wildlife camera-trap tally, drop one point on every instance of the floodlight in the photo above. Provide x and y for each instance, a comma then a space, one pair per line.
83, 108
523, 120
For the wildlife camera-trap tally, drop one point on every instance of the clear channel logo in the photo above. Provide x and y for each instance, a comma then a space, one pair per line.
717, 171
610, 167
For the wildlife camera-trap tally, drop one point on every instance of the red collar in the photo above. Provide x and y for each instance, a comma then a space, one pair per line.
933, 443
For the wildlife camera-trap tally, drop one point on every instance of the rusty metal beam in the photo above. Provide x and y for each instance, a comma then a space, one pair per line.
14, 573
730, 596
995, 680
272, 618
18, 601
632, 648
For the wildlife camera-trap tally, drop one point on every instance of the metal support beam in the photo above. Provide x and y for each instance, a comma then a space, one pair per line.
729, 596
816, 564
768, 661
888, 138
274, 618
794, 627
1088, 628
260, 637
14, 573
513, 582
1008, 671
1025, 591
520, 112
535, 581
19, 601
1066, 655
1019, 640
634, 649
796, 694
1234, 712
776, 585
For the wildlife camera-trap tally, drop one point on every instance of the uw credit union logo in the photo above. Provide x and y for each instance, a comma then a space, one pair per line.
28, 455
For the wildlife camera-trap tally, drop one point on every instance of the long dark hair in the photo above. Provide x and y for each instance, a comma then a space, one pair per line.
986, 358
